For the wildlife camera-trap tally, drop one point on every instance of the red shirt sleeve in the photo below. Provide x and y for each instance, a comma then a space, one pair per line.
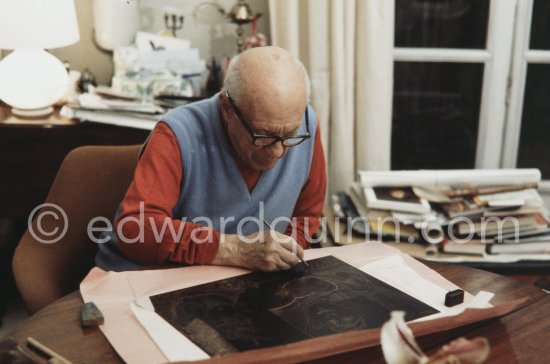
146, 230
309, 207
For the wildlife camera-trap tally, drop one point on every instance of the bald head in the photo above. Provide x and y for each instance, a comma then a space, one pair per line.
269, 92
267, 78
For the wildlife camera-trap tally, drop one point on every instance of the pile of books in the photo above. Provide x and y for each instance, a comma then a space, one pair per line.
480, 212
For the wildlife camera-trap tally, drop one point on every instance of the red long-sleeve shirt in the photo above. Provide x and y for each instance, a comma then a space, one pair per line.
156, 189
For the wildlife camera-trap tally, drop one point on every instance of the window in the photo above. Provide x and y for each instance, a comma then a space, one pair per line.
452, 63
528, 124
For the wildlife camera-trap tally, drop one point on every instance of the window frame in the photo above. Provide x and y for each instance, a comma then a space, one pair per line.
522, 57
497, 60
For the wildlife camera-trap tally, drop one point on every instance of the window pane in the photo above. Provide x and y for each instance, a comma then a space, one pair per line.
540, 27
534, 144
441, 23
435, 115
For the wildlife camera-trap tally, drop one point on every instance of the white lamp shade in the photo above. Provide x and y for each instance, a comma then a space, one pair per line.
32, 79
37, 24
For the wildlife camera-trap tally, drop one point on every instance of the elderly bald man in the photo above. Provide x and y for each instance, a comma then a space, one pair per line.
213, 171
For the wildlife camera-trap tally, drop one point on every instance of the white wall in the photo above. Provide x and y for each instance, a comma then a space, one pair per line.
212, 40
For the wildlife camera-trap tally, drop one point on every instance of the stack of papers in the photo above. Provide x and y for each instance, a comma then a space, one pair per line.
158, 65
127, 113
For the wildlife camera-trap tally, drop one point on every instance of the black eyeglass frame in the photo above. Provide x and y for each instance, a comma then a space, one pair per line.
256, 136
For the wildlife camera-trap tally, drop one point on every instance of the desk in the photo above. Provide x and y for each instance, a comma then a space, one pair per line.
515, 337
31, 151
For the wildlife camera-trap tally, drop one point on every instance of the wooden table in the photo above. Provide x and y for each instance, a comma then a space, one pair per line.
520, 336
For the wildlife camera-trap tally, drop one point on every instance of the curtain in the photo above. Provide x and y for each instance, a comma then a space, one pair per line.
347, 47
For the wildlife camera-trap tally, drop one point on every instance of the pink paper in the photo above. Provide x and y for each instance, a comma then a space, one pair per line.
113, 292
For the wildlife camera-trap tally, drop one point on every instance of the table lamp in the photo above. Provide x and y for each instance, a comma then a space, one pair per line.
32, 79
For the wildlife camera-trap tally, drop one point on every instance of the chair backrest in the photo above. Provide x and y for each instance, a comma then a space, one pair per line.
91, 182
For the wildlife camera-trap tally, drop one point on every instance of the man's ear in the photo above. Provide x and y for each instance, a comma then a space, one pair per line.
224, 108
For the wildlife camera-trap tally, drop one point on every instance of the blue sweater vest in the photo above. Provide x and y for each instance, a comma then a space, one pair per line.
213, 191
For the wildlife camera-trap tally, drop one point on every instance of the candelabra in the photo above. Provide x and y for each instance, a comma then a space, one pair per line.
173, 22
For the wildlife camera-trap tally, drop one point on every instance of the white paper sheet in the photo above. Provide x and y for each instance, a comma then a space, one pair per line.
144, 39
111, 118
174, 345
397, 273
474, 177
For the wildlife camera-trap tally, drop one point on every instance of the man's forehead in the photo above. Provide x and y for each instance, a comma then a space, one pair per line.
284, 106
277, 125
273, 123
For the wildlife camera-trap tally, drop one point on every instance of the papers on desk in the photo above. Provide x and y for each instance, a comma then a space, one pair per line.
114, 293
395, 272
157, 65
92, 101
130, 120
127, 113
175, 346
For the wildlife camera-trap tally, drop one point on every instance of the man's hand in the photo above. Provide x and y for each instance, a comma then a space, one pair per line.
266, 250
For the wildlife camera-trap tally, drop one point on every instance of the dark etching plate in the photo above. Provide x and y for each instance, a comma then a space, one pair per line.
259, 310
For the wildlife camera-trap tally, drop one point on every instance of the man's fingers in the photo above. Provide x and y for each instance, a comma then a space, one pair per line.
280, 238
273, 263
287, 242
294, 248
288, 257
279, 252
282, 264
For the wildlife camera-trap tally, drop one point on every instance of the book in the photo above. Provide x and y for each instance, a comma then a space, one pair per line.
408, 218
519, 248
355, 219
470, 247
381, 224
357, 196
463, 207
502, 212
481, 247
507, 225
529, 236
536, 239
386, 228
396, 198
529, 197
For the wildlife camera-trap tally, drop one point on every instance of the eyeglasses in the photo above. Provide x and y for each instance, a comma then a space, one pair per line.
266, 140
